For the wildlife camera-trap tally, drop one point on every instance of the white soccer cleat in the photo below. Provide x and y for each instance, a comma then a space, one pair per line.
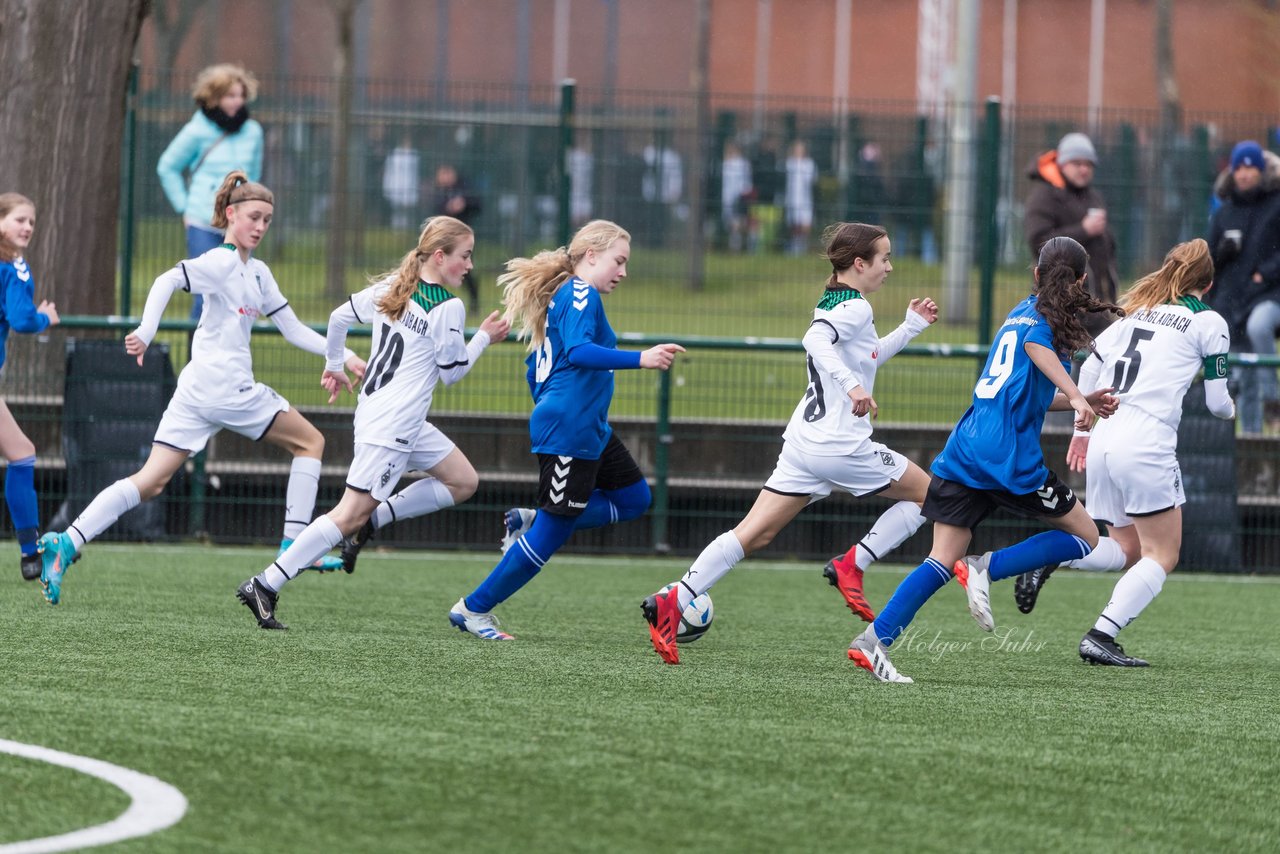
972, 574
867, 652
483, 626
516, 522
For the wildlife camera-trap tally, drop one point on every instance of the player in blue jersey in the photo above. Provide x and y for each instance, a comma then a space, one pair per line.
993, 457
18, 312
588, 477
827, 445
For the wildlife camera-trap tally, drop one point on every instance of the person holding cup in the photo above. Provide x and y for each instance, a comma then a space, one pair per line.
1244, 236
1064, 203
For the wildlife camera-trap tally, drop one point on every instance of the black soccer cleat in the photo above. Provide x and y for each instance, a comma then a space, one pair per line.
31, 565
259, 599
1026, 587
352, 545
1097, 648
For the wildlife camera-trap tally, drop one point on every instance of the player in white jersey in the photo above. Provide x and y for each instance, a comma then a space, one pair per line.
1134, 484
417, 342
216, 389
827, 444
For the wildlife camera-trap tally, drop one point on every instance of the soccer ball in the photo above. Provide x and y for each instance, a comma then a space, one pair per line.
696, 618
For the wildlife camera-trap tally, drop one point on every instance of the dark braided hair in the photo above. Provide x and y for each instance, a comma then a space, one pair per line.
1061, 295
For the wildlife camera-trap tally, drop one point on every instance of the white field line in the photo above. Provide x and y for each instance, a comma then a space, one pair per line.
644, 561
154, 804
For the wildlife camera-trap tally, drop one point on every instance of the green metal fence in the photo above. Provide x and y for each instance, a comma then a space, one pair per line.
730, 284
706, 434
537, 160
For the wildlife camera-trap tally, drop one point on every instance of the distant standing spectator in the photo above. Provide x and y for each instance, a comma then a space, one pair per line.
867, 189
1064, 203
580, 165
798, 201
453, 198
1244, 234
735, 194
400, 183
220, 138
661, 186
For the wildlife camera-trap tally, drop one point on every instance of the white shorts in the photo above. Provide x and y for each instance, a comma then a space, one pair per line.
187, 425
1126, 478
376, 469
866, 471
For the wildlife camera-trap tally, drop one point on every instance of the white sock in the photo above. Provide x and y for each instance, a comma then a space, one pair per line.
108, 506
314, 541
1134, 591
417, 499
1106, 556
300, 495
891, 530
716, 559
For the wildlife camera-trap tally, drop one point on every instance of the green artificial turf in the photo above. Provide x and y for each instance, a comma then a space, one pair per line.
373, 725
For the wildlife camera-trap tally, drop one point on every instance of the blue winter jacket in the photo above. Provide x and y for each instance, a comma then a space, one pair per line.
240, 150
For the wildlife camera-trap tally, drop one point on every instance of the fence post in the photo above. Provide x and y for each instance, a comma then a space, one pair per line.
130, 152
662, 464
566, 145
988, 199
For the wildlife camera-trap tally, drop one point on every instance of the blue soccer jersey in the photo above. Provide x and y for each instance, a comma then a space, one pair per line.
571, 404
996, 445
17, 302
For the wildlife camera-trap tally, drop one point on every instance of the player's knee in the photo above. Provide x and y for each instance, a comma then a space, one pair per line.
464, 485
151, 485
633, 500
21, 449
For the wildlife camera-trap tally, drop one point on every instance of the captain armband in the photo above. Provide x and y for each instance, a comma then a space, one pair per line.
1215, 367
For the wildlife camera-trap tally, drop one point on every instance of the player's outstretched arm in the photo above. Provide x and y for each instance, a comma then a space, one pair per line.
1047, 362
660, 357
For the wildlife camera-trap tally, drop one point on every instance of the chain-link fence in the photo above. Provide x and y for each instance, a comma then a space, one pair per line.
719, 264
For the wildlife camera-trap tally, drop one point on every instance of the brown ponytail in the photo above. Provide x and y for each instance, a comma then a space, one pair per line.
237, 188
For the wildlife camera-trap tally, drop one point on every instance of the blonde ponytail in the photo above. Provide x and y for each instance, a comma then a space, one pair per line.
1187, 267
439, 232
529, 283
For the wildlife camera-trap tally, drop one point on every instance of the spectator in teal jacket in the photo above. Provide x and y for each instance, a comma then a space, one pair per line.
218, 139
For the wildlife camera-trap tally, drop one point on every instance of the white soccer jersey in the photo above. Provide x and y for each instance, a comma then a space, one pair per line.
843, 351
236, 294
1151, 356
409, 356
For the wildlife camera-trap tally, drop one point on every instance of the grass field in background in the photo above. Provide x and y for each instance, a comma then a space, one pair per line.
372, 725
765, 296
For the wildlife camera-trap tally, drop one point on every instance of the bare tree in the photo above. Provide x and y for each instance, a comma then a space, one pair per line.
344, 12
66, 70
1164, 203
699, 82
172, 20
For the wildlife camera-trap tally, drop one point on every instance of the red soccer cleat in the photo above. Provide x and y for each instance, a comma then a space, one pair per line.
662, 612
845, 576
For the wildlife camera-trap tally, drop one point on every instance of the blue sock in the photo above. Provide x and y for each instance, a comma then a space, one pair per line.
1048, 549
924, 581
521, 562
20, 495
614, 505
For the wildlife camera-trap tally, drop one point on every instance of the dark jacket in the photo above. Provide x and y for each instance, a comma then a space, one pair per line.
1055, 208
1256, 215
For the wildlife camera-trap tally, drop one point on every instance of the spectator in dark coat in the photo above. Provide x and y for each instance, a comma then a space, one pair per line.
1064, 203
1244, 235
